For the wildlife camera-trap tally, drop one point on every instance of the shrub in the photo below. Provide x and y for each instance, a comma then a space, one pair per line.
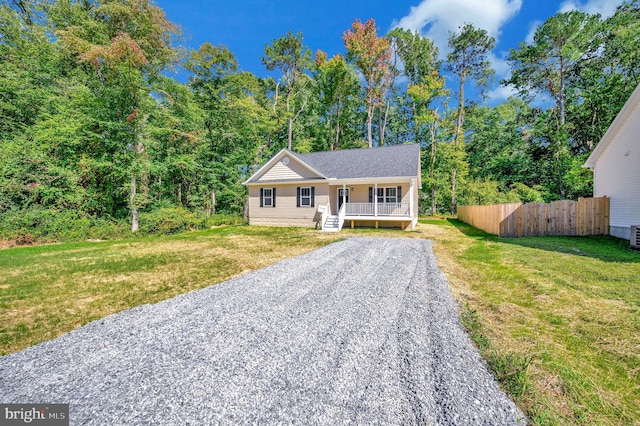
224, 219
50, 225
169, 220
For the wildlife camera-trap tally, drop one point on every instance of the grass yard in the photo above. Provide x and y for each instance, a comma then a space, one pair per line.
557, 319
48, 290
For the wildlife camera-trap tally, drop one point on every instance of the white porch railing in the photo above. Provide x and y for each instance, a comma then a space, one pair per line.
383, 209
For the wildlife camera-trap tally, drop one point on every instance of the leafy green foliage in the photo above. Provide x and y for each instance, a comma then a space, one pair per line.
93, 129
371, 54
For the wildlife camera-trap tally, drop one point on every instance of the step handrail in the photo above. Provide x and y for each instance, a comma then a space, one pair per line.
325, 214
341, 214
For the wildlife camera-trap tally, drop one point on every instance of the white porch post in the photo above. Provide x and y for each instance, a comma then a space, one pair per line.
344, 195
410, 199
375, 199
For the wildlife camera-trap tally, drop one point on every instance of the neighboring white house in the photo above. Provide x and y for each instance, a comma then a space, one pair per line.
616, 168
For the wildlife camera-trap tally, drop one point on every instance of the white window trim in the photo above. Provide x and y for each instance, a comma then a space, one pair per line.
305, 197
387, 197
383, 194
265, 197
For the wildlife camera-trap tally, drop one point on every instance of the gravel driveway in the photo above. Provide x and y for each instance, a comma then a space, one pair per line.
361, 331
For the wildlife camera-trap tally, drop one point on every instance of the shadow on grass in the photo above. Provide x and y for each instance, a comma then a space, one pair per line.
604, 248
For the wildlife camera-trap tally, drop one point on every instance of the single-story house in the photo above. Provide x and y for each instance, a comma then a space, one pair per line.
358, 187
616, 168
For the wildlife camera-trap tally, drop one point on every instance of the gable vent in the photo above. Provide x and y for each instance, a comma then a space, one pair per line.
635, 237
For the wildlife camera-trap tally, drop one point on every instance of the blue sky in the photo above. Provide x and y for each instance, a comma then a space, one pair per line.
244, 26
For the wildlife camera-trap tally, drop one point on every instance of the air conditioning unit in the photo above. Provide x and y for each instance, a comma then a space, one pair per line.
635, 237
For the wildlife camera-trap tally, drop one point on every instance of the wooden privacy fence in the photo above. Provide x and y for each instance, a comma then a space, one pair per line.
587, 216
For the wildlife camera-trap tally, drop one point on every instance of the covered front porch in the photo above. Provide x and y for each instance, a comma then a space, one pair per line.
371, 205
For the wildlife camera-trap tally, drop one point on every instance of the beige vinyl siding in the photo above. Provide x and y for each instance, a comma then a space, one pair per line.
293, 170
285, 213
617, 173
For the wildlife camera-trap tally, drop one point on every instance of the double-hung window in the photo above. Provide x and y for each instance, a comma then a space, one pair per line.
391, 195
267, 197
305, 196
388, 195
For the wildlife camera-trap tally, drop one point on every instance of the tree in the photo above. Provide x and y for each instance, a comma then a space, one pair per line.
561, 47
498, 146
467, 60
125, 45
288, 54
560, 44
371, 55
338, 90
211, 66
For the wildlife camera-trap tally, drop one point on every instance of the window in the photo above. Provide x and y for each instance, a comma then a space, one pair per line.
388, 195
391, 196
267, 197
305, 196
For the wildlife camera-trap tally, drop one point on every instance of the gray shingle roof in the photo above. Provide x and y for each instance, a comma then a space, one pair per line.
388, 161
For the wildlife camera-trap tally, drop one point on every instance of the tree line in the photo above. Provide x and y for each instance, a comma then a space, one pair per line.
93, 125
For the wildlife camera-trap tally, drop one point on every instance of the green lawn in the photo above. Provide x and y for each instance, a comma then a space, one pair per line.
48, 290
556, 318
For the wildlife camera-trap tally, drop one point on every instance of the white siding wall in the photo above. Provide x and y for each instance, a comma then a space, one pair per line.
617, 175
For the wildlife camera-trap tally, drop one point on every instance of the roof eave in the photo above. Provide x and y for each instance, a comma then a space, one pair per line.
275, 159
620, 119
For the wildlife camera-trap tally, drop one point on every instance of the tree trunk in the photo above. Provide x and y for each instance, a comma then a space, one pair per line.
134, 210
382, 120
453, 191
245, 210
290, 130
458, 135
369, 125
213, 201
432, 166
337, 140
290, 133
180, 193
561, 99
457, 139
380, 128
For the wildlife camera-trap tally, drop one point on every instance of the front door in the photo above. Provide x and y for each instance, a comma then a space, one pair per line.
341, 193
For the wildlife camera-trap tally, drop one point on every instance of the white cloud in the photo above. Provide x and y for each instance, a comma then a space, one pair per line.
533, 26
501, 93
500, 65
503, 71
605, 8
436, 18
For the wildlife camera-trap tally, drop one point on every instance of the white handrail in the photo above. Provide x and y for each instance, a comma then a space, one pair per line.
325, 214
341, 214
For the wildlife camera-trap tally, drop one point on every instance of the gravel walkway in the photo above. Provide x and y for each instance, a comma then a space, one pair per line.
362, 331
